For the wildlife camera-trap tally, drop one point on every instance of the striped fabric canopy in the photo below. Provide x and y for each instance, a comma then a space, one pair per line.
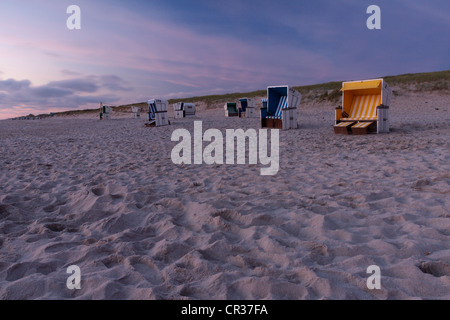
364, 107
152, 110
231, 106
282, 104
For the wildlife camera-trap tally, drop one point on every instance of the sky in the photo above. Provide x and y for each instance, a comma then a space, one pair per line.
132, 51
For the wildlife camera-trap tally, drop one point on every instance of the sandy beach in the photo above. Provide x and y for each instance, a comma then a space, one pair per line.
105, 196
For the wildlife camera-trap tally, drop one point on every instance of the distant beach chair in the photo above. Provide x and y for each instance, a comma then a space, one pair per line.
231, 109
247, 109
189, 109
182, 109
365, 107
157, 113
178, 109
281, 108
106, 112
264, 103
136, 112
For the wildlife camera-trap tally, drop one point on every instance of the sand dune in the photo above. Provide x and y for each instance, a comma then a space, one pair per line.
105, 195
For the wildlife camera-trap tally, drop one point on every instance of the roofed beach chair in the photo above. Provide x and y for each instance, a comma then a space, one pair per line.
136, 112
264, 103
183, 109
189, 109
365, 107
281, 109
231, 109
247, 109
178, 110
106, 112
157, 113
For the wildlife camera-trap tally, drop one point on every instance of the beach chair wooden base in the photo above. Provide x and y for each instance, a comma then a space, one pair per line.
343, 127
362, 128
233, 114
272, 123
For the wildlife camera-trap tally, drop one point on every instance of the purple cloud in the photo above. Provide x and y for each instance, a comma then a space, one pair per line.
77, 85
49, 92
14, 85
62, 94
114, 83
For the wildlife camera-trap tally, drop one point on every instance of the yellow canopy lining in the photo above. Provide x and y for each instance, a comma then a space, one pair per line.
369, 84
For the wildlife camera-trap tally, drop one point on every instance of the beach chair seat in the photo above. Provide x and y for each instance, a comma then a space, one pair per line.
362, 127
343, 127
282, 104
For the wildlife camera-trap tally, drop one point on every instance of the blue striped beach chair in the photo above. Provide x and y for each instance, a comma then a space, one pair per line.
281, 108
157, 113
151, 110
247, 109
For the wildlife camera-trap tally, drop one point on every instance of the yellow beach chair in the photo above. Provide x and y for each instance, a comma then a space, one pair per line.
365, 107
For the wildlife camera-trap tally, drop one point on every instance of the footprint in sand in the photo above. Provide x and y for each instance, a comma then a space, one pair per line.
23, 269
50, 208
437, 269
146, 267
98, 191
55, 227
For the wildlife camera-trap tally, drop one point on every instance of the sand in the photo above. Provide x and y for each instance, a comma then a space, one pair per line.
105, 196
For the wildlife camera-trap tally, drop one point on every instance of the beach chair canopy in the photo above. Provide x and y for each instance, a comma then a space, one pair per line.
244, 104
231, 106
277, 100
